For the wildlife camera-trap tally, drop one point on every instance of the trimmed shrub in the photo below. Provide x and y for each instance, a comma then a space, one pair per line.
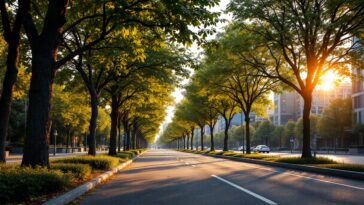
348, 167
229, 153
102, 162
123, 155
299, 160
253, 156
19, 184
79, 171
216, 152
130, 153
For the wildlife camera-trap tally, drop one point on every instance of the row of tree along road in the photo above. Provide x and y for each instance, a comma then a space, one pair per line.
118, 54
269, 46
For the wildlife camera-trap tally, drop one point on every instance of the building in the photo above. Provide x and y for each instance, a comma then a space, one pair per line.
358, 93
285, 107
289, 105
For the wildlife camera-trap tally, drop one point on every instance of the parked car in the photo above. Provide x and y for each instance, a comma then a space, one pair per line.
261, 149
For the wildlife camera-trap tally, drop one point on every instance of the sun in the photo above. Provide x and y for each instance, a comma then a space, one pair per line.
327, 81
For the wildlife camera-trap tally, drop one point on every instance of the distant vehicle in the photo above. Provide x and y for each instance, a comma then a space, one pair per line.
241, 148
261, 149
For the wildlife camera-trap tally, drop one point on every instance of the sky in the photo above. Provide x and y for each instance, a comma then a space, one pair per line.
196, 51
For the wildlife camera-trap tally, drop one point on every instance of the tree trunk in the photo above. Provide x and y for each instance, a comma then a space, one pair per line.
125, 136
188, 141
7, 92
133, 136
192, 132
184, 142
247, 132
128, 139
114, 125
212, 148
68, 141
72, 141
119, 133
306, 148
202, 138
38, 124
138, 142
93, 123
226, 136
44, 57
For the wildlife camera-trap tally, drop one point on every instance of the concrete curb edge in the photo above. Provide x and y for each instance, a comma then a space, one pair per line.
82, 189
312, 169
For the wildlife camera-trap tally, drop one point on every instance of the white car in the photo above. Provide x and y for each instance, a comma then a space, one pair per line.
261, 149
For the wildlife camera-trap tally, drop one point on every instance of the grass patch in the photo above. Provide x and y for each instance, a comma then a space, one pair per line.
348, 167
79, 171
19, 184
101, 162
299, 160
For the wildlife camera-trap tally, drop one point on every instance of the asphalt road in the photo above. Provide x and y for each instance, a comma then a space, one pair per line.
161, 177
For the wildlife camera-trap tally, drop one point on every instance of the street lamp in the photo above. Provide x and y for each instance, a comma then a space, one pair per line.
55, 142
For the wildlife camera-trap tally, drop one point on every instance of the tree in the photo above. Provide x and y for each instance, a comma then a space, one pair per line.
264, 133
335, 119
244, 83
227, 109
313, 126
11, 26
310, 37
237, 133
278, 134
221, 102
289, 131
47, 30
69, 112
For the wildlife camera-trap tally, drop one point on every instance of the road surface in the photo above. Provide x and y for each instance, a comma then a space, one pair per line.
161, 177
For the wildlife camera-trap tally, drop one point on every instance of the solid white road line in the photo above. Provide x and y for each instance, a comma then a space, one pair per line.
246, 191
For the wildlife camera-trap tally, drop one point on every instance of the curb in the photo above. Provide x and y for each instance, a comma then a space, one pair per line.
80, 190
312, 169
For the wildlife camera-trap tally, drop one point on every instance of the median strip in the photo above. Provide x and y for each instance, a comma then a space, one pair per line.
245, 190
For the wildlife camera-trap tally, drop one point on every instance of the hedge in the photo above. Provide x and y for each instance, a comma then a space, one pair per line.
79, 171
101, 162
19, 184
299, 160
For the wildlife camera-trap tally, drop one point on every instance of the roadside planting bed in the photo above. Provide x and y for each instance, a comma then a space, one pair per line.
35, 186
